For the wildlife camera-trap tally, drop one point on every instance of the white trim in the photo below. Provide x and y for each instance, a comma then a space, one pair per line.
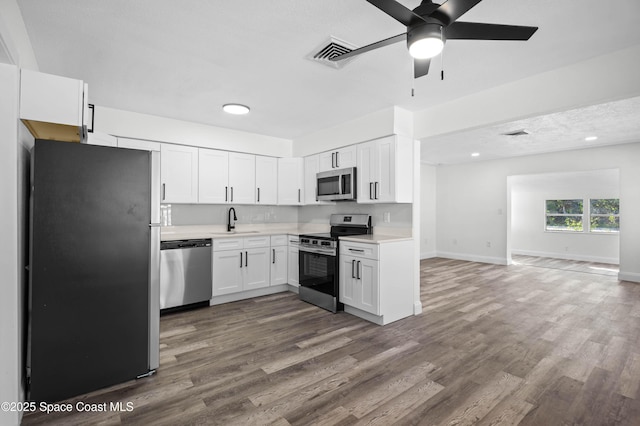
567, 256
417, 308
629, 276
234, 297
428, 255
473, 258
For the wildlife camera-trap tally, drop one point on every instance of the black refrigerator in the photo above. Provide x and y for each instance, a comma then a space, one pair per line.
94, 268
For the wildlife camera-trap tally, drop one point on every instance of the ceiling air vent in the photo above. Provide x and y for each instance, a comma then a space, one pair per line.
330, 49
520, 132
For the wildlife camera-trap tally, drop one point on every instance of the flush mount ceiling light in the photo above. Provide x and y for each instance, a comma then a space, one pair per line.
590, 138
425, 41
235, 109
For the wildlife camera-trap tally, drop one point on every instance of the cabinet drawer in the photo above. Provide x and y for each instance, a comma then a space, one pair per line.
294, 240
278, 240
367, 251
261, 241
227, 244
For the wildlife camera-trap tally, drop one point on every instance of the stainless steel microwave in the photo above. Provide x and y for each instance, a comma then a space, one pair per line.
336, 185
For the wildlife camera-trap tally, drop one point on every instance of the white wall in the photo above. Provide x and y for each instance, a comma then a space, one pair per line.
597, 80
142, 126
528, 195
11, 300
382, 123
427, 211
472, 202
13, 36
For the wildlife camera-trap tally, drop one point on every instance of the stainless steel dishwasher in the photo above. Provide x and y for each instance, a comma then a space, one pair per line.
185, 272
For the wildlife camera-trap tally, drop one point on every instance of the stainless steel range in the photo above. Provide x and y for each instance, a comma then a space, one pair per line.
319, 260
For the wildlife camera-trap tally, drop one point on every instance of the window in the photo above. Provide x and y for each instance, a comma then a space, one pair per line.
604, 215
564, 215
569, 215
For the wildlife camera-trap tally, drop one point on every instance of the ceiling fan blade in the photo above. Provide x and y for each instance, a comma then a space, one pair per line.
453, 9
372, 46
480, 31
421, 67
397, 11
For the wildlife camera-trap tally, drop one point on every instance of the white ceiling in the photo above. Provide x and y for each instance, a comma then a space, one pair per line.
184, 59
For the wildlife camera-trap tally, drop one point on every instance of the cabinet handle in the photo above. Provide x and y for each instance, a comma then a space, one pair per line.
371, 190
246, 258
358, 270
164, 191
258, 194
337, 156
241, 259
358, 250
274, 256
353, 268
226, 194
333, 160
375, 189
232, 194
299, 197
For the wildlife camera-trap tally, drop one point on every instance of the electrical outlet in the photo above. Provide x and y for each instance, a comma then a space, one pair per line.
455, 242
488, 243
386, 217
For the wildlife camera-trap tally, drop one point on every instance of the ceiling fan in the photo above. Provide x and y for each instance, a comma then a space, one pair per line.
430, 25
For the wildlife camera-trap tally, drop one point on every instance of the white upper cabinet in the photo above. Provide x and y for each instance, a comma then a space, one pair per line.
54, 107
242, 178
179, 173
213, 176
290, 181
311, 168
266, 180
338, 159
385, 170
138, 144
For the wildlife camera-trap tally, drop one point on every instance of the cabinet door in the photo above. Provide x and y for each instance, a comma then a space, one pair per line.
242, 178
138, 144
279, 261
311, 168
227, 272
213, 176
266, 180
256, 268
326, 161
348, 281
346, 157
290, 181
385, 158
292, 266
367, 176
368, 289
179, 172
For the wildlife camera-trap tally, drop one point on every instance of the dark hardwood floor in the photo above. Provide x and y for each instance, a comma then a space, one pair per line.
509, 345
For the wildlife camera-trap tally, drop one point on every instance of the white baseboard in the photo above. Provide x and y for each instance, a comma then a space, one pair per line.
567, 256
234, 297
417, 307
473, 258
428, 255
629, 276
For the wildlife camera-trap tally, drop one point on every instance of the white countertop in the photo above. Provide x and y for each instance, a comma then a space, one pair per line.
376, 238
171, 233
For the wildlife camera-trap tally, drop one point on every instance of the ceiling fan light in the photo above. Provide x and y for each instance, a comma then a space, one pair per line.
235, 109
426, 48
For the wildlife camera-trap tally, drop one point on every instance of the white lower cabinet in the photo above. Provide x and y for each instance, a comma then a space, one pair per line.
293, 263
240, 264
376, 280
279, 259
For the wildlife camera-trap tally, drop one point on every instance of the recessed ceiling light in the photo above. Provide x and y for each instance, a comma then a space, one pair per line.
235, 109
475, 154
590, 138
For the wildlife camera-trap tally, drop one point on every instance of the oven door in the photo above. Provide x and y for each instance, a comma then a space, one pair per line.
318, 272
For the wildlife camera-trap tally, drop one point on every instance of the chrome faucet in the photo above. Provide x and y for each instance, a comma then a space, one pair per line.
229, 225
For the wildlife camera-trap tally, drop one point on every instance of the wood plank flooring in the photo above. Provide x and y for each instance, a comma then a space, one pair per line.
495, 345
